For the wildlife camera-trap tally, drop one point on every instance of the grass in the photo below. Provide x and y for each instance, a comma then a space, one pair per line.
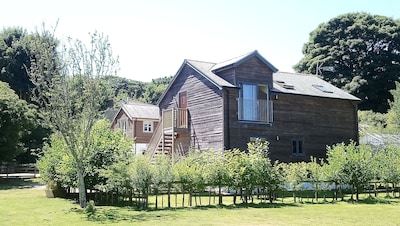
20, 204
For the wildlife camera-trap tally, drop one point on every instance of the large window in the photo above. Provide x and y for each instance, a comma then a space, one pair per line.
249, 95
298, 147
254, 103
148, 126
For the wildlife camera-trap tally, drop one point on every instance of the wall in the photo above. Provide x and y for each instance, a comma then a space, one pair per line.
204, 101
317, 121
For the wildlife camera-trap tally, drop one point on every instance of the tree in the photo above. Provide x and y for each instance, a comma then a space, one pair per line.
296, 175
393, 116
17, 118
351, 164
72, 100
14, 60
360, 54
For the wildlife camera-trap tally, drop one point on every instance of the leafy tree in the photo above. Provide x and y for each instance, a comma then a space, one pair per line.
317, 175
370, 121
58, 166
388, 166
163, 177
72, 100
14, 60
394, 112
18, 49
155, 89
17, 118
352, 165
364, 51
216, 173
296, 175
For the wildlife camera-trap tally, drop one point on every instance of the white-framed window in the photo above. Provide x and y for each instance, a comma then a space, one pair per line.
122, 125
298, 147
148, 126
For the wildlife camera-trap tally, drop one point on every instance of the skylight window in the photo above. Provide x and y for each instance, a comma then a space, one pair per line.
323, 88
285, 85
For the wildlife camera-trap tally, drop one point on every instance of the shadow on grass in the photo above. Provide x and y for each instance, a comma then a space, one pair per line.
18, 183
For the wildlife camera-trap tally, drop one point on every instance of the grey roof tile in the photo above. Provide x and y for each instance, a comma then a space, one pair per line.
205, 69
141, 110
306, 84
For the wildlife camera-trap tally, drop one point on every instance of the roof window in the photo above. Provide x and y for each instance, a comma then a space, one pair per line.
323, 88
284, 85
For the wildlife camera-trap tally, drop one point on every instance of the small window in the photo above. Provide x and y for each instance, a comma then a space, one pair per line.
323, 88
147, 126
253, 139
122, 125
298, 147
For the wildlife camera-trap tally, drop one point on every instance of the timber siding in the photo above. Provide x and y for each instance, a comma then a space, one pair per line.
253, 71
317, 121
307, 111
204, 102
140, 136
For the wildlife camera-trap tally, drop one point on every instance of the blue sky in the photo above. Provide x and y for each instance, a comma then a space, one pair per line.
153, 37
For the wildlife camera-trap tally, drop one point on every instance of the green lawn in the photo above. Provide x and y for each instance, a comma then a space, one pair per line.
29, 206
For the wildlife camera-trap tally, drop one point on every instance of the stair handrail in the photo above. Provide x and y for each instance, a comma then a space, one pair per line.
154, 141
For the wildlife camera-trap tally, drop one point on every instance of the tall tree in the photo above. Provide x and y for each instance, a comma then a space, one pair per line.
72, 100
359, 53
17, 117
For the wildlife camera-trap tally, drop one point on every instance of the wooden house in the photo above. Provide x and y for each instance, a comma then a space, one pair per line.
137, 121
226, 105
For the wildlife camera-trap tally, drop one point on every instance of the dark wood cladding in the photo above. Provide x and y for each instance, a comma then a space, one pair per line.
316, 121
252, 71
204, 102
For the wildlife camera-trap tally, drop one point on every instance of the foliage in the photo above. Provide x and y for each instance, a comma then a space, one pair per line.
18, 49
155, 89
296, 174
393, 120
351, 164
73, 99
387, 165
17, 118
364, 51
317, 175
59, 167
370, 121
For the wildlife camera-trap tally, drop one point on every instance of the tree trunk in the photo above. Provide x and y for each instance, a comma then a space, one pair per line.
169, 196
220, 195
81, 186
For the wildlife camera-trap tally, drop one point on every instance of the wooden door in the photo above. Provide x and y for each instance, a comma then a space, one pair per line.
183, 100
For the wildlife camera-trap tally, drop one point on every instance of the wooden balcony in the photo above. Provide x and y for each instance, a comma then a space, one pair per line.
175, 119
173, 122
255, 110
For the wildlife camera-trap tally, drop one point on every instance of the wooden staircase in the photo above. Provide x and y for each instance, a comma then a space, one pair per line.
163, 140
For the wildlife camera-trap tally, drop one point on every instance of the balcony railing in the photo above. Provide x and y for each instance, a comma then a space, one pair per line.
175, 118
256, 110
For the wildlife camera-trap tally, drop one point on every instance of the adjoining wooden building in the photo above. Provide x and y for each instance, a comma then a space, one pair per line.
137, 121
226, 105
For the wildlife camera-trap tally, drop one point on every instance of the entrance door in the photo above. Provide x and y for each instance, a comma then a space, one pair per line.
183, 100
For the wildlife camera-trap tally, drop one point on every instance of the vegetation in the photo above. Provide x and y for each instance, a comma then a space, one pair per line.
30, 206
360, 54
17, 118
71, 100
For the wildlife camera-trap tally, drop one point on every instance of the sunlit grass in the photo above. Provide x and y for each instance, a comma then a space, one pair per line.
29, 206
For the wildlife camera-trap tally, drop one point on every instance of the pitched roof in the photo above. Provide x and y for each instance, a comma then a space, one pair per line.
309, 85
140, 110
234, 62
204, 68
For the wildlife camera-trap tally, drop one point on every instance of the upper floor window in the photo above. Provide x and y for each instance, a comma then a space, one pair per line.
122, 125
254, 103
148, 126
